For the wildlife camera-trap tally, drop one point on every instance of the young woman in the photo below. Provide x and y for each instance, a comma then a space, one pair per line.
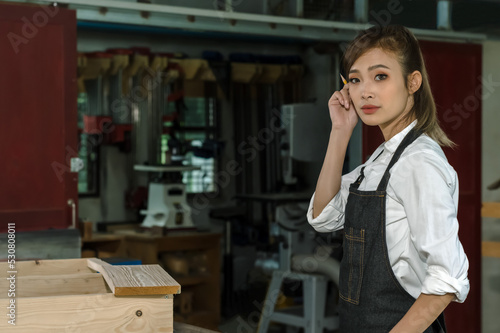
403, 262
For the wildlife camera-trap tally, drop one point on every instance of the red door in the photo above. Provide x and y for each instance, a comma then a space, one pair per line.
455, 76
38, 129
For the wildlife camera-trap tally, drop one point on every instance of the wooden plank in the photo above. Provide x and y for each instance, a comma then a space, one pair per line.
491, 249
57, 285
192, 67
272, 73
49, 267
96, 67
136, 279
245, 73
490, 209
102, 313
206, 302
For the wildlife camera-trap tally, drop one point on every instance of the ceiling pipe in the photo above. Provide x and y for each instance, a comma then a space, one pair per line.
361, 11
444, 15
239, 24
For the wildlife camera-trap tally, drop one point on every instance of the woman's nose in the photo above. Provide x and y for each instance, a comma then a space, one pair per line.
366, 91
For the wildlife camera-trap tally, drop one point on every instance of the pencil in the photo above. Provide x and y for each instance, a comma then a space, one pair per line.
343, 80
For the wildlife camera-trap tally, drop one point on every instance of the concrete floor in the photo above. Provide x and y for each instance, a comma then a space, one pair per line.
490, 291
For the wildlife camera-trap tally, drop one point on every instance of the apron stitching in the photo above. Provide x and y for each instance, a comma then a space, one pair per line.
350, 265
362, 266
356, 238
350, 300
387, 261
378, 245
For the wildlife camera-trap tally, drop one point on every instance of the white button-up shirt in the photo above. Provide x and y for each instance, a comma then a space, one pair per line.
421, 215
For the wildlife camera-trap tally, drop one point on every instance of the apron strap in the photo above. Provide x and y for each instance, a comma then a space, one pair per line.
362, 173
408, 139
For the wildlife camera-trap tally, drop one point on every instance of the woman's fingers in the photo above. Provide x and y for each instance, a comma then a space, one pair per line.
341, 97
345, 95
337, 97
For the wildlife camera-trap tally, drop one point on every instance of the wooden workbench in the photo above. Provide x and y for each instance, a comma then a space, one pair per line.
205, 287
86, 295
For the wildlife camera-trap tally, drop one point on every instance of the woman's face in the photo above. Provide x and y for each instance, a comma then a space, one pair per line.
378, 90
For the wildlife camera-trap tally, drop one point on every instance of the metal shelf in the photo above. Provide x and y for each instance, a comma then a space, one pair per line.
165, 168
227, 22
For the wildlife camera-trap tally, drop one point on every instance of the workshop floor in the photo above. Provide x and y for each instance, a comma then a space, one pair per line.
490, 295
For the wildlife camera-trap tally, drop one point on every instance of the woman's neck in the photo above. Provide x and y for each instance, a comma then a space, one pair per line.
394, 127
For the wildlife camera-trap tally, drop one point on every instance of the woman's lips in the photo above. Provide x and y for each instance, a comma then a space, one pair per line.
370, 109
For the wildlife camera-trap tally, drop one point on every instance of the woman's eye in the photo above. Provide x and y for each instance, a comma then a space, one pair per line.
380, 77
353, 80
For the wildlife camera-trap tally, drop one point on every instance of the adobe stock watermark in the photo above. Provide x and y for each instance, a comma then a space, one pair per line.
470, 103
31, 27
11, 273
119, 110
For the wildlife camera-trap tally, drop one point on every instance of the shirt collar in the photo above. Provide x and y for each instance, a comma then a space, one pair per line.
394, 142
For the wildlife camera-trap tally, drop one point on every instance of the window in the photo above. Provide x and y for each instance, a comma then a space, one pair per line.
196, 129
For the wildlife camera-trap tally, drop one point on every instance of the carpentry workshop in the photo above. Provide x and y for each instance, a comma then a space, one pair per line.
249, 166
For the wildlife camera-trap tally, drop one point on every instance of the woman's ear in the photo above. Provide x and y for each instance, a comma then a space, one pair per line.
415, 81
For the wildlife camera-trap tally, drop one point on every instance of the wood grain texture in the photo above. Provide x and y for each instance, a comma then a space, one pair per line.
206, 301
136, 279
57, 285
491, 249
490, 209
102, 313
49, 267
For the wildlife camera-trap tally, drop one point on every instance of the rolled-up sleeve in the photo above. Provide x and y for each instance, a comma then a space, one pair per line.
331, 217
427, 186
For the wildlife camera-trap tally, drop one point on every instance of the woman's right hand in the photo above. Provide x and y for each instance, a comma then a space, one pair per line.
342, 111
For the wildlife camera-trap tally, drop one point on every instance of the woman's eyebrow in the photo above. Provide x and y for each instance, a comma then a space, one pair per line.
370, 68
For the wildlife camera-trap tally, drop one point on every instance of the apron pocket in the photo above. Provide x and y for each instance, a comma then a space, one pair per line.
352, 265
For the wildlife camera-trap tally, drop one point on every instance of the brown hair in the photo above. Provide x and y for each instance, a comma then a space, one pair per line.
401, 42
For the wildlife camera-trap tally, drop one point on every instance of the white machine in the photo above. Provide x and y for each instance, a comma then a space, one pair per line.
167, 204
306, 131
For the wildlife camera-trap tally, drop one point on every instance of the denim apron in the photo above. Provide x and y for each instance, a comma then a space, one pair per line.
371, 298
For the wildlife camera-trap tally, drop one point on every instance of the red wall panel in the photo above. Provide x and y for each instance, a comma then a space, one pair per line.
38, 131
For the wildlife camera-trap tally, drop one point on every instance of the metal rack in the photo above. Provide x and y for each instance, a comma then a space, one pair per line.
228, 22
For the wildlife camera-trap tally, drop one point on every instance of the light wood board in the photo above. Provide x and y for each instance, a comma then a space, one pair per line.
103, 313
49, 267
136, 279
47, 285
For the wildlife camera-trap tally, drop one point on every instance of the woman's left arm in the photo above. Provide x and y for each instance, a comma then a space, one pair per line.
423, 313
428, 189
